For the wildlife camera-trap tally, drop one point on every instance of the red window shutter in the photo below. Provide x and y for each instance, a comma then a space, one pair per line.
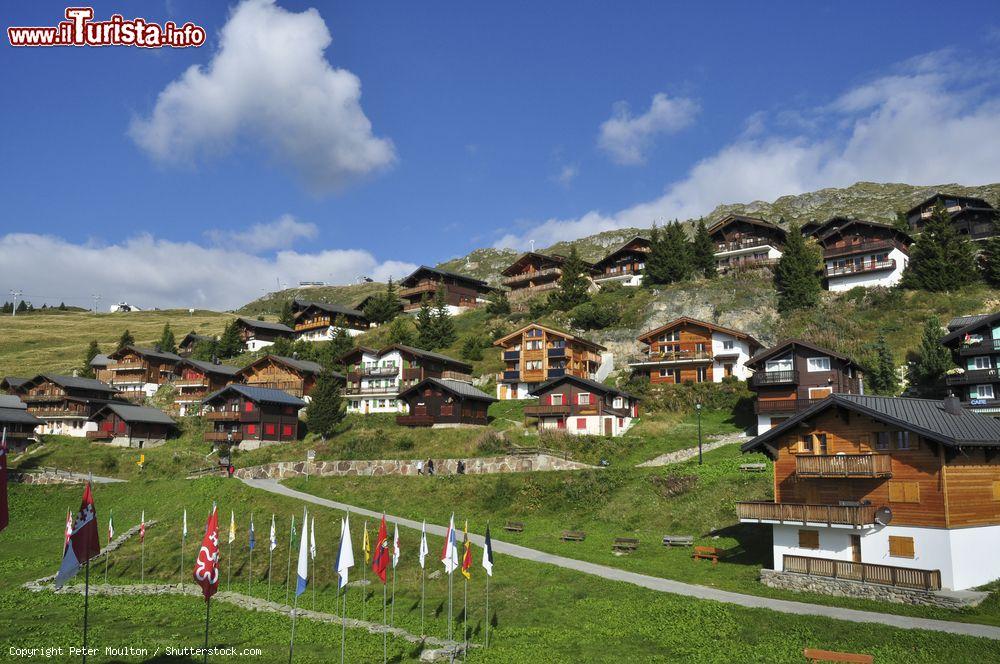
269, 429
547, 400
248, 406
581, 423
287, 431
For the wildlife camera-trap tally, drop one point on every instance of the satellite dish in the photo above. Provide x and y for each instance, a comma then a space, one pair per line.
883, 516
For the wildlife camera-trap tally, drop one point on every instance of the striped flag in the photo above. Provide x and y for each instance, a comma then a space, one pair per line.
302, 571
423, 544
84, 540
274, 536
467, 556
380, 561
366, 546
488, 553
253, 541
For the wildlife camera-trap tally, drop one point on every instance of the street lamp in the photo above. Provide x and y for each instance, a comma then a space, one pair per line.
697, 408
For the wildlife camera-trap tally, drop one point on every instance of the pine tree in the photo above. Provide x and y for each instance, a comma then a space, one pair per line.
703, 252
206, 350
931, 360
670, 259
573, 284
401, 332
167, 343
93, 350
881, 374
989, 261
287, 315
797, 277
941, 259
326, 408
498, 304
126, 339
384, 306
901, 223
62, 306
23, 307
444, 326
230, 343
426, 331
472, 348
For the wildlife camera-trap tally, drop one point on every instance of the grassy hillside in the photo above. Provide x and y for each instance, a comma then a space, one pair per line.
349, 295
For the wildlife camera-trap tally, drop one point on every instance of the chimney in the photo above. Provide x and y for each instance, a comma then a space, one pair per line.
952, 405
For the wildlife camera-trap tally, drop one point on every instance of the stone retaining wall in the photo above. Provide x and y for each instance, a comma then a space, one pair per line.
43, 477
473, 466
846, 588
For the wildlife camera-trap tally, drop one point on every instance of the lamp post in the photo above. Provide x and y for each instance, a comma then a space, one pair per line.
697, 408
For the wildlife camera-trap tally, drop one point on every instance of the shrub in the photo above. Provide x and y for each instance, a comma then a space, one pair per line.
491, 442
669, 486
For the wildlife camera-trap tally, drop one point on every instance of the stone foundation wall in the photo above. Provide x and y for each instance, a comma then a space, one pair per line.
473, 466
42, 477
847, 588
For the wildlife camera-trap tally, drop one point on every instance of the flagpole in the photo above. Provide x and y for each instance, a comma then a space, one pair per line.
450, 585
107, 555
208, 606
343, 626
465, 620
182, 556
229, 571
270, 556
423, 581
385, 630
392, 614
142, 561
86, 605
291, 645
250, 572
487, 610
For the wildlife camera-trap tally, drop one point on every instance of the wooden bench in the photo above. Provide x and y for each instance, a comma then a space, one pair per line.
514, 527
678, 540
573, 536
625, 544
814, 655
753, 467
707, 553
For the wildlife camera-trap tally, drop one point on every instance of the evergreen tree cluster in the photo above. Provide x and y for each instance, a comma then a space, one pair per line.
940, 260
326, 409
930, 362
93, 350
435, 328
574, 284
797, 275
385, 306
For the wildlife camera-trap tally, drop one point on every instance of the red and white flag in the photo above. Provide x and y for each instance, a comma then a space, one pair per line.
142, 527
4, 511
68, 530
84, 540
206, 567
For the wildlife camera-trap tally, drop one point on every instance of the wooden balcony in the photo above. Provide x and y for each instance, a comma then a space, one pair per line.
456, 375
313, 324
42, 398
381, 371
981, 347
858, 516
392, 389
414, 420
972, 377
55, 413
100, 435
843, 465
542, 410
532, 276
884, 575
790, 377
191, 382
782, 405
672, 357
748, 263
862, 248
745, 243
222, 416
418, 290
223, 436
867, 266
293, 388
128, 366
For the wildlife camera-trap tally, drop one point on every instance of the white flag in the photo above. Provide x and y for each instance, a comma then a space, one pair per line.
111, 527
274, 540
184, 532
423, 544
449, 555
395, 546
345, 557
312, 539
302, 571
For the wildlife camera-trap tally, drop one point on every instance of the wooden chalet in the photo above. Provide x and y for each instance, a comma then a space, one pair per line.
975, 348
581, 406
746, 242
190, 340
437, 402
687, 350
461, 292
533, 273
126, 425
250, 417
288, 374
537, 353
17, 425
862, 253
793, 375
970, 216
625, 264
259, 334
319, 321
375, 378
99, 365
138, 372
64, 404
197, 379
884, 490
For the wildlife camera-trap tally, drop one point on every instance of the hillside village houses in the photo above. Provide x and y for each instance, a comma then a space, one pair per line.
251, 417
970, 216
974, 342
139, 372
64, 404
460, 292
318, 321
862, 253
288, 374
16, 422
537, 353
444, 403
259, 334
625, 264
532, 273
375, 378
196, 379
127, 425
689, 350
743, 242
581, 406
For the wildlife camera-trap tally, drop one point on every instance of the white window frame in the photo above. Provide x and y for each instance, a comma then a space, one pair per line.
981, 395
986, 362
781, 364
810, 364
728, 344
583, 399
557, 398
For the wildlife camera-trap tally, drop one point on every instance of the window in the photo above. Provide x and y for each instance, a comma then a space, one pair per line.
556, 399
248, 406
671, 336
251, 429
900, 547
581, 423
820, 443
534, 344
980, 362
818, 364
784, 364
533, 365
269, 429
904, 492
617, 403
702, 375
981, 392
882, 441
699, 347
583, 399
728, 344
902, 440
808, 539
806, 443
664, 373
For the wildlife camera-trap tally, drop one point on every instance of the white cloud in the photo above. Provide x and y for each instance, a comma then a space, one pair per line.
567, 174
151, 272
281, 233
626, 138
931, 122
269, 83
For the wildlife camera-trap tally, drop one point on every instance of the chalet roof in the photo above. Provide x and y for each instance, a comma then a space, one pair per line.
358, 350
13, 382
147, 352
72, 382
621, 249
443, 273
549, 328
18, 416
550, 258
978, 202
100, 360
926, 417
456, 387
212, 367
258, 395
337, 309
426, 354
784, 344
264, 325
826, 230
136, 414
962, 321
593, 385
305, 366
12, 401
694, 321
193, 337
975, 323
756, 221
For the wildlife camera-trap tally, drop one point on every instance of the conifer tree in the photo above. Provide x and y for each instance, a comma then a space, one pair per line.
167, 343
401, 332
230, 343
384, 306
287, 315
941, 259
931, 360
126, 339
797, 277
62, 306
93, 350
326, 408
901, 223
703, 252
206, 350
651, 274
426, 333
498, 304
881, 375
444, 326
989, 262
670, 257
573, 283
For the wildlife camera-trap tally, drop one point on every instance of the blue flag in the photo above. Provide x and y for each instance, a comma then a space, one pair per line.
253, 541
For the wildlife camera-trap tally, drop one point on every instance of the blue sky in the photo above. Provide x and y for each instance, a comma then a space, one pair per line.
426, 130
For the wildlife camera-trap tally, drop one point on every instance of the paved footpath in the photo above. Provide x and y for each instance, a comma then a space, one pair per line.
662, 585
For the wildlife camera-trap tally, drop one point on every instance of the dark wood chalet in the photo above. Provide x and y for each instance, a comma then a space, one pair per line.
624, 264
17, 425
288, 374
444, 403
259, 334
970, 216
251, 416
975, 348
138, 372
857, 252
125, 425
99, 365
583, 407
64, 403
793, 375
461, 292
746, 242
533, 273
884, 490
190, 340
196, 380
319, 321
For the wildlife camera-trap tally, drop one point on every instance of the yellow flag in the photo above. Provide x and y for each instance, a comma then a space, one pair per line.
366, 546
467, 555
232, 527
142, 460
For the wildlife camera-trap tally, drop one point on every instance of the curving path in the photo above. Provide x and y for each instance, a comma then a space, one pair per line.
660, 584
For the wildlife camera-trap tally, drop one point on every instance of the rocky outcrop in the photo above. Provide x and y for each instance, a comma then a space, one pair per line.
944, 599
691, 452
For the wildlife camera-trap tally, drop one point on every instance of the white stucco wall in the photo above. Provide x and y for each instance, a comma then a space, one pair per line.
326, 333
870, 279
384, 401
595, 425
738, 361
515, 391
623, 279
254, 345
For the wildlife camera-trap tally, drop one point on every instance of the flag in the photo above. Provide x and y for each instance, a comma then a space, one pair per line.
423, 544
206, 567
68, 530
293, 534
84, 540
467, 556
449, 554
142, 527
184, 528
366, 546
380, 561
253, 542
4, 508
274, 536
488, 553
303, 569
232, 527
111, 527
395, 546
345, 556
312, 539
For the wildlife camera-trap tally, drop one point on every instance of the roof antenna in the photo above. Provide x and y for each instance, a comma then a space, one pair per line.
531, 243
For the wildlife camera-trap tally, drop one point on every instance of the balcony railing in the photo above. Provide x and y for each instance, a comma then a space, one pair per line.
973, 376
391, 388
127, 366
51, 413
557, 352
531, 276
414, 420
557, 373
872, 266
512, 355
843, 465
783, 405
862, 248
671, 356
223, 436
381, 371
885, 575
222, 416
40, 398
419, 289
789, 377
191, 382
511, 375
100, 435
456, 375
801, 513
293, 388
980, 347
745, 243
749, 263
547, 409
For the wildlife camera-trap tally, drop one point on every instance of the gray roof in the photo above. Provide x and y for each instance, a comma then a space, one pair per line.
419, 352
11, 401
259, 395
968, 324
457, 387
265, 325
211, 367
926, 417
100, 360
600, 388
443, 273
302, 365
787, 343
76, 383
962, 321
15, 382
332, 308
142, 414
18, 416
